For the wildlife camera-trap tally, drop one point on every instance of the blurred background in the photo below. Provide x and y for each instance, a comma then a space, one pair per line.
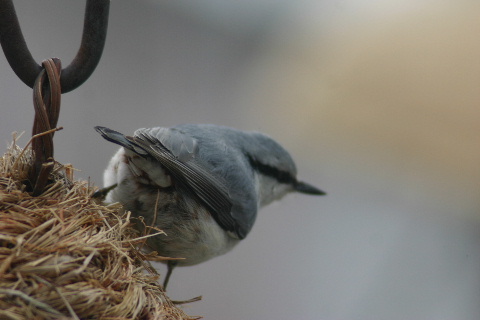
378, 101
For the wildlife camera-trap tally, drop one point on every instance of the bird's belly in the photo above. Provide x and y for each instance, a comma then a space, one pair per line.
194, 241
194, 237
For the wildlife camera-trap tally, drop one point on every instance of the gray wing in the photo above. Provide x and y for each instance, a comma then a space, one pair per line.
175, 151
220, 147
181, 145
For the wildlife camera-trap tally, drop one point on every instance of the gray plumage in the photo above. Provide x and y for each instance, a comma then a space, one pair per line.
212, 181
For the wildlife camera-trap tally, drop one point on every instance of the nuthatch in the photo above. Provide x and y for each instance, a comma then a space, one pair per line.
207, 183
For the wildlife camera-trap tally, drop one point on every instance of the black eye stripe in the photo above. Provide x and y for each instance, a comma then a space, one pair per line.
265, 169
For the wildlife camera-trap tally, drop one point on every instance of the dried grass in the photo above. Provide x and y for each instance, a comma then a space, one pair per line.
64, 256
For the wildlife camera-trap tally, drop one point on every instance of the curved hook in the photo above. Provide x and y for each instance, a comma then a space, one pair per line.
84, 63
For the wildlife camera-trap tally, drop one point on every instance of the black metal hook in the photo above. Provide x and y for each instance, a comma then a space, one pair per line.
84, 63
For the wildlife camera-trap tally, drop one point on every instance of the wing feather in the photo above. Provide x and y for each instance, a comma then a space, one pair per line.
207, 187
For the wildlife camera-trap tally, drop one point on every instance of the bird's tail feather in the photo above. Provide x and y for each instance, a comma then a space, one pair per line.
120, 139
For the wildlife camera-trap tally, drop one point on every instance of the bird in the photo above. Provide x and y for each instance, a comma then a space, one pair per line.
201, 184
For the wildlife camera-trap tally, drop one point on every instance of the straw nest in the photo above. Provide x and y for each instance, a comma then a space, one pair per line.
64, 256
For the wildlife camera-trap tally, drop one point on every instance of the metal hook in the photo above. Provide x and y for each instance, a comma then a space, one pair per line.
84, 63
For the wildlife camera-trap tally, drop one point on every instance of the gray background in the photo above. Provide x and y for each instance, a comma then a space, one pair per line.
378, 101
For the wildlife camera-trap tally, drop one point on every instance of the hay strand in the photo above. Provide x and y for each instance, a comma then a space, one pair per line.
65, 256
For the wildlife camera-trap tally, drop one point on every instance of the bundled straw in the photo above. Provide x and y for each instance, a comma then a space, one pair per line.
64, 256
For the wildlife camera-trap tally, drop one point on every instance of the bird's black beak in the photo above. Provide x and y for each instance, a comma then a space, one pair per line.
306, 188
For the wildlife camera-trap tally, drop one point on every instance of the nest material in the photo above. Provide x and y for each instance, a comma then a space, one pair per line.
65, 256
